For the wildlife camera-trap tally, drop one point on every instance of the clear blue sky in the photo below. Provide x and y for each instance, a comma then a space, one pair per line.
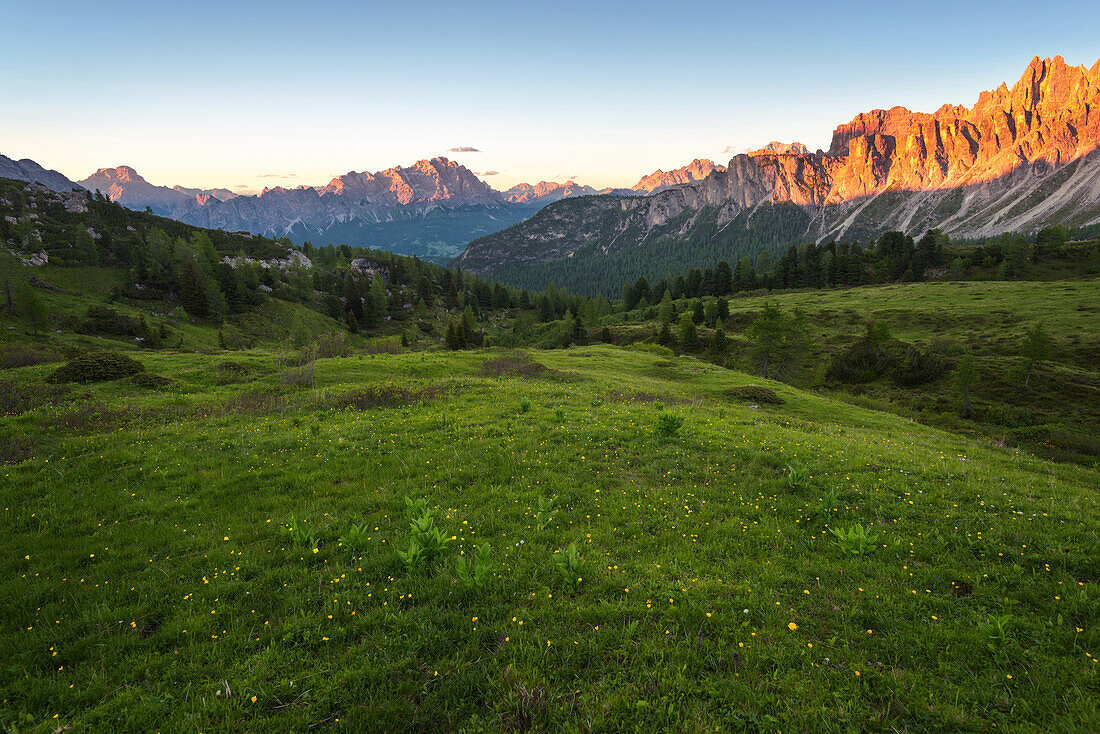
249, 94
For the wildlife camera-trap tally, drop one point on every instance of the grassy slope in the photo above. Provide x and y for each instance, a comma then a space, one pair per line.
144, 569
986, 319
82, 287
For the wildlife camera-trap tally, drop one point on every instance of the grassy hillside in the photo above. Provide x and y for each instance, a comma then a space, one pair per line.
1058, 417
151, 579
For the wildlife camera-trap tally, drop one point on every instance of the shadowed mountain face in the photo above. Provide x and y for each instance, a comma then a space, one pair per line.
28, 170
1018, 159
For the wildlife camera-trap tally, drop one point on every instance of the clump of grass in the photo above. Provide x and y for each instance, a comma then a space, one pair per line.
512, 364
301, 374
524, 405
332, 344
668, 425
15, 356
96, 367
230, 372
754, 394
17, 398
148, 380
379, 396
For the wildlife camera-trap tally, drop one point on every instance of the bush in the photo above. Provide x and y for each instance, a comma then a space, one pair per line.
333, 344
862, 362
230, 372
668, 425
651, 348
97, 366
754, 394
917, 368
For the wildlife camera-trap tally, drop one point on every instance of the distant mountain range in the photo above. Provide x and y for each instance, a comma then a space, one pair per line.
1019, 159
432, 208
547, 192
124, 185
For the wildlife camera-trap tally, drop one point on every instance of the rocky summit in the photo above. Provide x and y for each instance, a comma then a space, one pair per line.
1018, 159
660, 180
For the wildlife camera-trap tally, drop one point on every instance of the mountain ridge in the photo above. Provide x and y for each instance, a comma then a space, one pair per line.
1018, 159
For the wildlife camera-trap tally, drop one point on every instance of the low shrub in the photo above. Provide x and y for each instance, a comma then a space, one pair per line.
230, 372
864, 361
754, 394
917, 368
650, 348
332, 344
96, 367
668, 425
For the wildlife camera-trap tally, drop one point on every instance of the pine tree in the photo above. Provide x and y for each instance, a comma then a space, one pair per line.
688, 337
721, 344
1036, 349
966, 376
698, 315
31, 306
193, 294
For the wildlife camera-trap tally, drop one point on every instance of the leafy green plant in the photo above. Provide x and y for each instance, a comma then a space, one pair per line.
668, 425
570, 566
524, 405
546, 512
300, 533
855, 540
798, 477
474, 573
417, 508
830, 502
414, 558
355, 537
996, 632
559, 414
429, 537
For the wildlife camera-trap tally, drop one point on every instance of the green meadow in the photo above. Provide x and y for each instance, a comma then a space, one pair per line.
220, 552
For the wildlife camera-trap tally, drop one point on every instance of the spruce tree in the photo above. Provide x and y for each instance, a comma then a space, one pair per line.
688, 337
31, 306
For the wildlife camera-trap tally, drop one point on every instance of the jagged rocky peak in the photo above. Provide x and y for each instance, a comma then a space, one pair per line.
428, 180
123, 174
659, 180
777, 148
546, 192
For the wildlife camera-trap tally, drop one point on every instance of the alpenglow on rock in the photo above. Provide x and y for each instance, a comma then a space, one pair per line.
1018, 159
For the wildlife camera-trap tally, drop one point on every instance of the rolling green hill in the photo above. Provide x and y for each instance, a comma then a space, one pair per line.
187, 556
